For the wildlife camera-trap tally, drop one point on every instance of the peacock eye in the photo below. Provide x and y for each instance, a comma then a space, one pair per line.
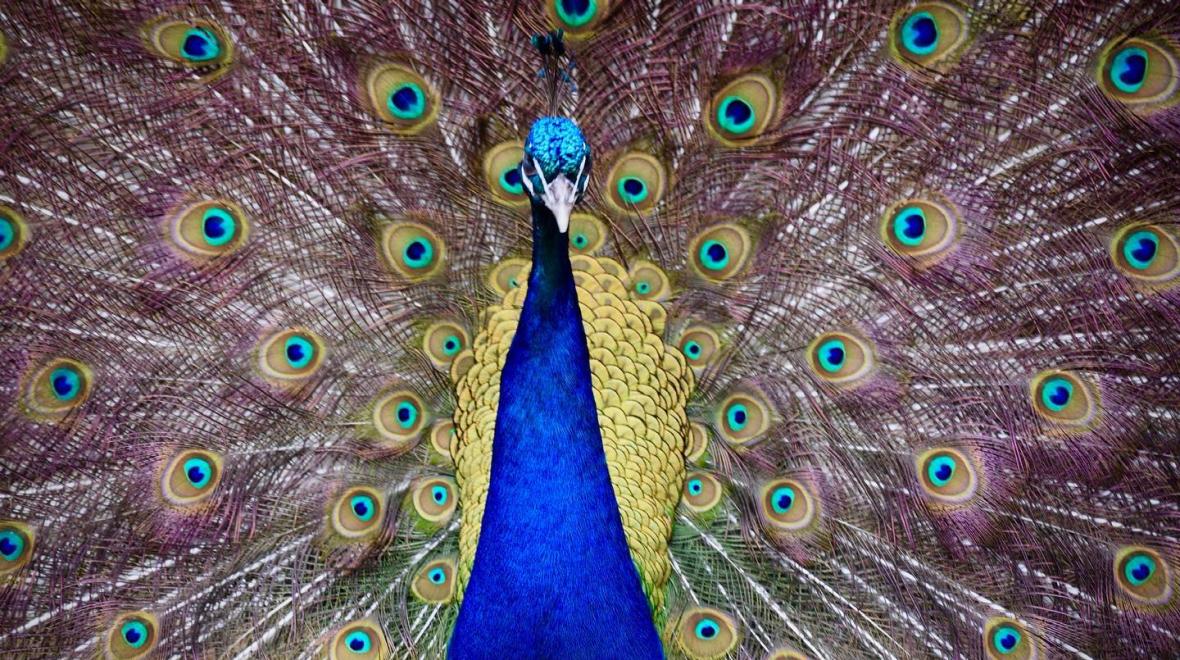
401, 98
399, 417
508, 275
433, 499
720, 252
357, 513
16, 546
922, 229
787, 505
291, 356
434, 583
1146, 254
699, 344
577, 16
441, 436
13, 233
133, 635
298, 351
358, 639
742, 110
697, 442
1005, 638
743, 416
702, 492
1063, 398
1140, 72
704, 632
195, 44
58, 386
208, 229
1143, 574
929, 34
442, 341
587, 233
840, 358
191, 476
947, 475
649, 282
636, 182
413, 251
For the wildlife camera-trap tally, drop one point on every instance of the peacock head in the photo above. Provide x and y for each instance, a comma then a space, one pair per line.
556, 166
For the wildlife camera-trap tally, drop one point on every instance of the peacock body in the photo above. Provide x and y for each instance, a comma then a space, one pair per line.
807, 329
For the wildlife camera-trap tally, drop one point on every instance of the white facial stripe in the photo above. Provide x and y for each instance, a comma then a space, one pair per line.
559, 195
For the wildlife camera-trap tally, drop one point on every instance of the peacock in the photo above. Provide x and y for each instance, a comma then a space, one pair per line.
801, 329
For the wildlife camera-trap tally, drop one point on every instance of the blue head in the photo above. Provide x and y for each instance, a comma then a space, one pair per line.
556, 166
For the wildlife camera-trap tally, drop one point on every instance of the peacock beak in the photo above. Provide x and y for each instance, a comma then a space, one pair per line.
558, 195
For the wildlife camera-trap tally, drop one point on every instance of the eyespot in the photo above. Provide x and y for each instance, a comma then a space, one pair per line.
787, 505
1146, 253
508, 275
720, 252
947, 475
501, 170
698, 442
57, 387
1063, 398
743, 417
577, 17
1008, 639
442, 341
191, 477
1143, 574
132, 635
413, 251
16, 546
924, 230
197, 44
705, 632
435, 582
1140, 72
649, 282
291, 356
741, 111
399, 418
699, 344
587, 233
401, 98
840, 358
358, 512
435, 498
441, 436
702, 492
358, 640
635, 183
929, 34
208, 229
14, 233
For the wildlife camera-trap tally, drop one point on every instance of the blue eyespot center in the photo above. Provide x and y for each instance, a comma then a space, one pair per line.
832, 354
1139, 568
12, 545
363, 507
511, 181
737, 416
439, 494
782, 499
407, 101
1005, 639
632, 190
714, 255
1140, 249
358, 641
695, 486
418, 253
940, 470
198, 472
1056, 393
451, 345
134, 633
299, 352
66, 383
218, 226
909, 226
437, 575
1129, 68
576, 13
735, 115
692, 349
7, 233
199, 45
643, 288
920, 33
706, 629
580, 240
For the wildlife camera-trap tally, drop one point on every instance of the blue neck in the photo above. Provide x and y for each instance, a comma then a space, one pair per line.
553, 577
